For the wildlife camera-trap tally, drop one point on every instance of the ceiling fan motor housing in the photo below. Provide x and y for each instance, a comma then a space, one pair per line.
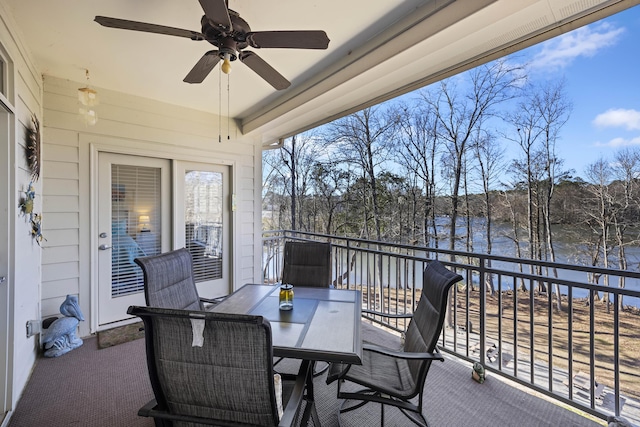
230, 41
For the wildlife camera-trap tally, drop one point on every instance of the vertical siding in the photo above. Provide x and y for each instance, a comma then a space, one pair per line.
131, 125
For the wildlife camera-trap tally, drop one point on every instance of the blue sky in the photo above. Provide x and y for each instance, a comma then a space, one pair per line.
601, 67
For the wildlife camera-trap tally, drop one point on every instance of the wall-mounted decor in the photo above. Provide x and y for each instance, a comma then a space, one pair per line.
26, 202
35, 220
33, 148
36, 228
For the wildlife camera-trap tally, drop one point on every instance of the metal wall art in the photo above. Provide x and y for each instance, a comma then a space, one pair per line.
33, 159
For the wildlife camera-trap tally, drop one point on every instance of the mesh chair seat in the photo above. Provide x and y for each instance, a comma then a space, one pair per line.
392, 377
384, 373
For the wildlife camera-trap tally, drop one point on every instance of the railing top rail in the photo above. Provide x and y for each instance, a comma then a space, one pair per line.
479, 256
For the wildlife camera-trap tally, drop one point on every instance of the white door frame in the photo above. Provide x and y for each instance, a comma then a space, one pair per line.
120, 146
108, 307
7, 150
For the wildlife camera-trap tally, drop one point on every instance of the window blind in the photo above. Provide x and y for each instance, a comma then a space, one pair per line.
203, 223
136, 224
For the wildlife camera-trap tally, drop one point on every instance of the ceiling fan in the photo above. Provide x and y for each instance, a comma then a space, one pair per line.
226, 30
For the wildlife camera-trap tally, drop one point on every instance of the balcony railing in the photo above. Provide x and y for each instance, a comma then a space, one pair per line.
544, 325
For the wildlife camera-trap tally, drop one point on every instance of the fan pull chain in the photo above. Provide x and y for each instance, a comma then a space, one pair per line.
228, 114
219, 105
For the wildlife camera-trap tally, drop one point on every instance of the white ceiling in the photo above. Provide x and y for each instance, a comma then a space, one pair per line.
377, 49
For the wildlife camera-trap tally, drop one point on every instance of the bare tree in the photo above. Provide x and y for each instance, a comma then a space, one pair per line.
417, 149
293, 162
363, 140
459, 115
553, 111
329, 182
525, 121
626, 169
273, 188
538, 118
489, 156
599, 174
510, 200
466, 171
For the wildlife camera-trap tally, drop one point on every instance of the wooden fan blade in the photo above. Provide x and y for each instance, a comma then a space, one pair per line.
147, 28
289, 39
203, 67
264, 70
217, 12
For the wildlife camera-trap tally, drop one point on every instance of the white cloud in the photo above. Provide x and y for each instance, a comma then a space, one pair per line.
619, 142
619, 117
585, 41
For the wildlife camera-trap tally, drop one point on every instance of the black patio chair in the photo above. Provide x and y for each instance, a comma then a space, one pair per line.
202, 373
307, 264
392, 377
169, 281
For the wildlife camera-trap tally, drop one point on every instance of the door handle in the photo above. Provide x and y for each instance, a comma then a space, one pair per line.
104, 247
2, 279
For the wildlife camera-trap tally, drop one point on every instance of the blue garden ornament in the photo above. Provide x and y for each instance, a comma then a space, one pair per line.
71, 308
60, 338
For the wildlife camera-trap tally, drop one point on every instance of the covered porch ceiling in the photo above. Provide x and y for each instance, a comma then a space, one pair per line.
377, 50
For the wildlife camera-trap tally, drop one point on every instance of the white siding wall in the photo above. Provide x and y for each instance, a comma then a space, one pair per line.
24, 95
128, 124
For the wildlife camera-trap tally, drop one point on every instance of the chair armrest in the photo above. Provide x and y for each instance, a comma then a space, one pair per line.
297, 395
389, 315
337, 371
403, 354
147, 409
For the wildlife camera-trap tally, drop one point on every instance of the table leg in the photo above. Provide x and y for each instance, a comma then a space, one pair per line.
310, 406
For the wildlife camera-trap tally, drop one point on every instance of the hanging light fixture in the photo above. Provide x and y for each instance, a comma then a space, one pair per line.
88, 98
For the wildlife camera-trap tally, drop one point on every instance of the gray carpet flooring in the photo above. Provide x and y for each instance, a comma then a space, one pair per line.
105, 387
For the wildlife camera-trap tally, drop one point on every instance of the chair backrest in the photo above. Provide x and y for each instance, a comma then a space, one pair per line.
428, 318
169, 282
307, 264
226, 379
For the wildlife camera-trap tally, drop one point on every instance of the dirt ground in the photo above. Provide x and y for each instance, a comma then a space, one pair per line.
571, 339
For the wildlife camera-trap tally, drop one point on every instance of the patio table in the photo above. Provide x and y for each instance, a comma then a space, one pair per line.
324, 325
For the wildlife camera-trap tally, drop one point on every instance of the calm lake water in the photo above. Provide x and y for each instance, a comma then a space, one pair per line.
568, 246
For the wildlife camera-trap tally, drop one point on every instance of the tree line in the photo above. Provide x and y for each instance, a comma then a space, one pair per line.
419, 169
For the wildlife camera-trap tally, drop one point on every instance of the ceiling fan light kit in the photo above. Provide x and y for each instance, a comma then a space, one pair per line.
230, 34
226, 65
